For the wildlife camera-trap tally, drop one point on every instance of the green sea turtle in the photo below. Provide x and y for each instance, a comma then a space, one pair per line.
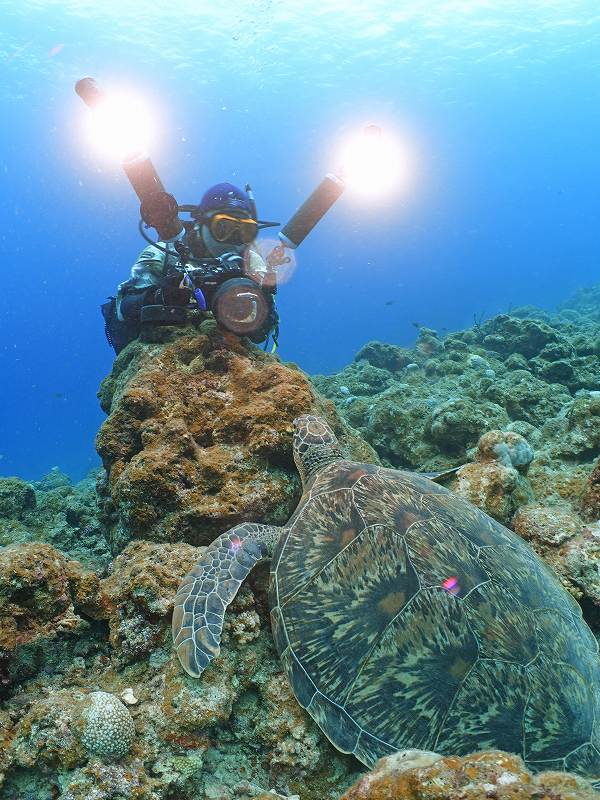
407, 618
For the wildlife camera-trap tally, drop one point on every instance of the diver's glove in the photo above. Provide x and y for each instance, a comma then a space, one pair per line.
170, 292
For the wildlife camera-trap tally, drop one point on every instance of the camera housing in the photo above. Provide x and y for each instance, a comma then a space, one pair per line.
239, 303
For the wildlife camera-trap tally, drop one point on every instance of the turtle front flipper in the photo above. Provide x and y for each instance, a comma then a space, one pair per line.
205, 593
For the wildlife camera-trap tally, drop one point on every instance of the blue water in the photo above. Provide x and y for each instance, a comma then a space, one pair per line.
496, 101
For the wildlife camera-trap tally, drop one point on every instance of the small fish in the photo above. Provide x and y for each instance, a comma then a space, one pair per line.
59, 396
55, 50
389, 302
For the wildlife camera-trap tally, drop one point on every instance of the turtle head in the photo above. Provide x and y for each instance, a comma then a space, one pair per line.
315, 445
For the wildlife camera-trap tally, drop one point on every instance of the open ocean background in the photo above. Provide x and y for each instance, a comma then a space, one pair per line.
497, 104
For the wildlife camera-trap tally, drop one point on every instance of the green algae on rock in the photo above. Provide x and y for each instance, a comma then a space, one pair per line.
55, 511
16, 497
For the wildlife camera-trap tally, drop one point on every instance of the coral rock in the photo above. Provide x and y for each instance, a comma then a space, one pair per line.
581, 557
194, 421
41, 595
507, 448
545, 526
591, 499
16, 497
108, 730
493, 774
526, 397
575, 431
570, 547
386, 356
49, 734
141, 589
506, 334
99, 781
458, 423
494, 488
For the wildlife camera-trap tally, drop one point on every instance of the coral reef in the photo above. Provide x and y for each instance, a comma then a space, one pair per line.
16, 497
237, 731
193, 421
202, 409
55, 511
198, 438
140, 589
420, 775
496, 480
47, 602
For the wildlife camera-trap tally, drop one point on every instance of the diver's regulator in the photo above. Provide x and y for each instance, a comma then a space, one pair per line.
247, 307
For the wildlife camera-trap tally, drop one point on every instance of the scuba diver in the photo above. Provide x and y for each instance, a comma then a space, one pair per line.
207, 263
210, 264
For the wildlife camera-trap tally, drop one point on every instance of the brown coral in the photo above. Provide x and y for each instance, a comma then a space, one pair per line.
141, 589
496, 489
590, 502
492, 774
42, 597
495, 482
194, 421
568, 545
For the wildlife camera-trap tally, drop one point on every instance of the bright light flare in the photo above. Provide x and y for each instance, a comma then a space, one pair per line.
120, 126
372, 163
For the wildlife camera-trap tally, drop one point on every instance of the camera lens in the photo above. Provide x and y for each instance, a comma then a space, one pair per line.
240, 306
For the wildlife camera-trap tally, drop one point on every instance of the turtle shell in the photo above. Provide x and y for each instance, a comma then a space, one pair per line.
407, 618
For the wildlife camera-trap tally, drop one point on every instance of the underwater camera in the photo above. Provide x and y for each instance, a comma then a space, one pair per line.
242, 302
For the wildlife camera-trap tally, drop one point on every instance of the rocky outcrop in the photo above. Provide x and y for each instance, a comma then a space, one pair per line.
16, 497
420, 775
198, 437
496, 481
140, 590
55, 511
45, 600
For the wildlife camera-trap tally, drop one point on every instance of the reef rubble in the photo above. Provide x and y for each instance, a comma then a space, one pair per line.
198, 433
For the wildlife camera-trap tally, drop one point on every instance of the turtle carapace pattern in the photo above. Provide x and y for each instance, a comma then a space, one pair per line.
407, 618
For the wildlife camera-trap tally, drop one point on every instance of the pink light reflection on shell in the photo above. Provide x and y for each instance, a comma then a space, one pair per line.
451, 585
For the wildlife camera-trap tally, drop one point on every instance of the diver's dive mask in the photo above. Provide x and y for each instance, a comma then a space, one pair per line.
237, 230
